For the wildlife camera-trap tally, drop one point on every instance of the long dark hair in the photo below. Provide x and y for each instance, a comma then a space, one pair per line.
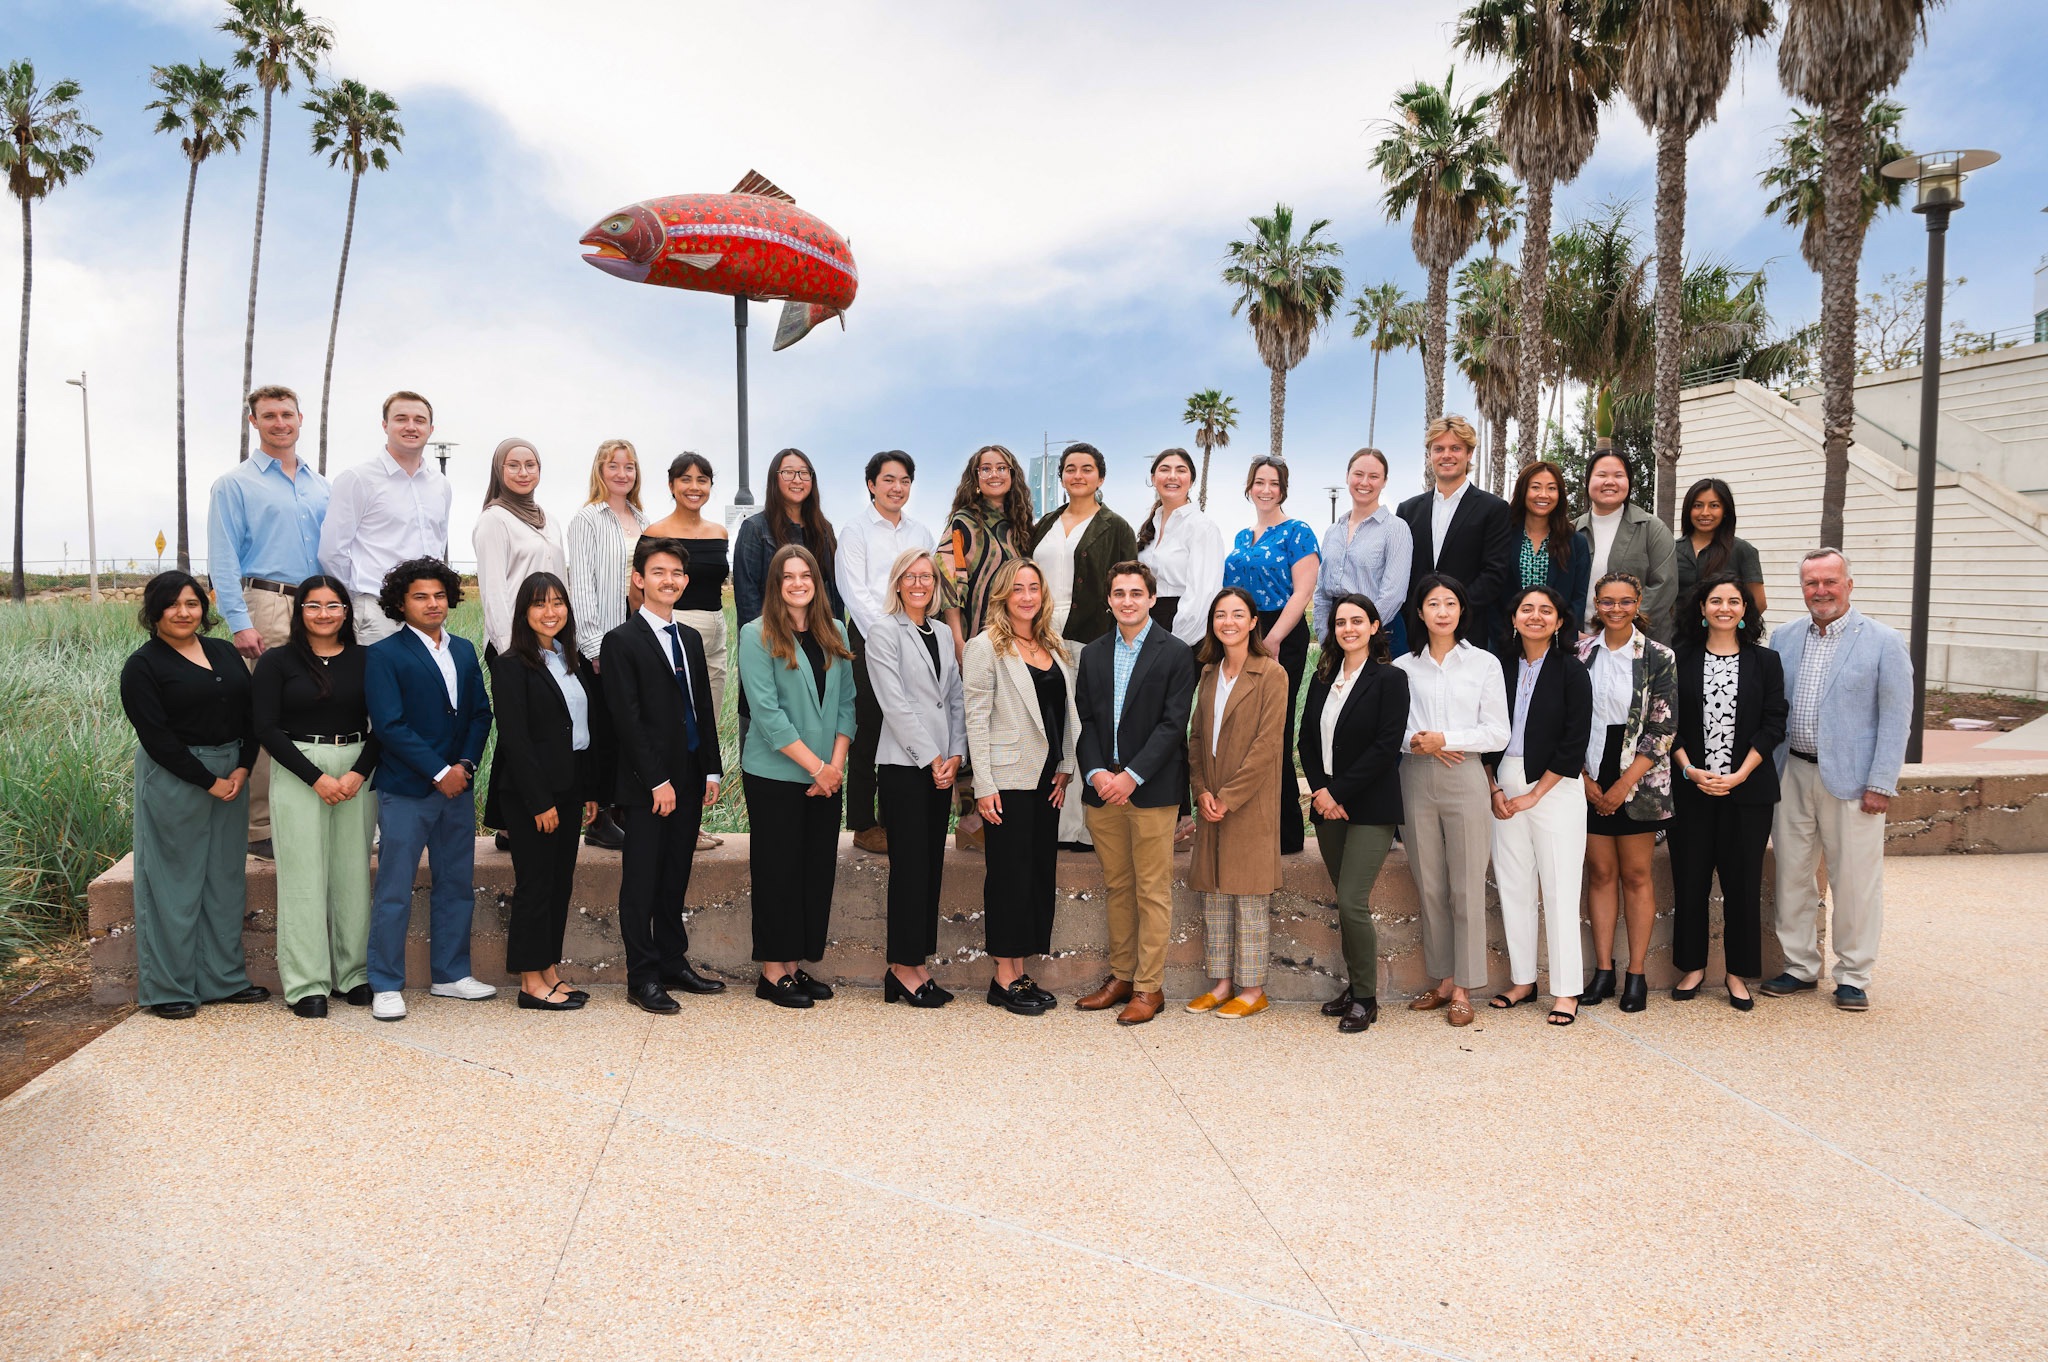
301, 641
1421, 594
1145, 532
1561, 532
1379, 650
778, 630
810, 513
1513, 647
161, 592
1210, 651
1016, 502
1692, 614
525, 643
1718, 556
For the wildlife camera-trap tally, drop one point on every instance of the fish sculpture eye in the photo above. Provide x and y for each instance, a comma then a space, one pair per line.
618, 225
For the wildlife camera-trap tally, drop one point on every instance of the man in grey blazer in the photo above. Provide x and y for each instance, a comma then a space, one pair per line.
1851, 685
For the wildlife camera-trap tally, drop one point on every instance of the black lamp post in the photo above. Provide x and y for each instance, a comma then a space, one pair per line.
1938, 184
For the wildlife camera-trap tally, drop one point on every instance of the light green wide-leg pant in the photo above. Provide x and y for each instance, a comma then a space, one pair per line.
191, 883
323, 878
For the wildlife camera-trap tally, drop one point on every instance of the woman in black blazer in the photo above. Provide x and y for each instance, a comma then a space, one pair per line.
1731, 718
1351, 753
551, 733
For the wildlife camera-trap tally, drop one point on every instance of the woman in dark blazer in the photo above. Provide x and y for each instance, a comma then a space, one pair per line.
1731, 718
1539, 802
1548, 551
545, 779
1351, 753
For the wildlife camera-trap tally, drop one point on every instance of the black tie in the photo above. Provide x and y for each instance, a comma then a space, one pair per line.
675, 651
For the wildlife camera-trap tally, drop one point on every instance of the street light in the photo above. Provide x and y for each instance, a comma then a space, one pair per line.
441, 448
1042, 493
1937, 178
1333, 503
92, 547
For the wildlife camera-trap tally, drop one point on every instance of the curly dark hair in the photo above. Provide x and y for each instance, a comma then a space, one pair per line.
161, 592
1691, 627
391, 596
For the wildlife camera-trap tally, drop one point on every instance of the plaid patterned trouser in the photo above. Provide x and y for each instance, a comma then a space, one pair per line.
1236, 938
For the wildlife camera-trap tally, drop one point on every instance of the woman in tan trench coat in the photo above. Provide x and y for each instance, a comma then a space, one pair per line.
1239, 728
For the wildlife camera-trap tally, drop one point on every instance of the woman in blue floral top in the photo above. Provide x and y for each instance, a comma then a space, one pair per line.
1277, 561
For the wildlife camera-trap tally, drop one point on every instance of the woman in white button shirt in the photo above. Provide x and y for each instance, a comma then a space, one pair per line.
1457, 709
1184, 549
513, 538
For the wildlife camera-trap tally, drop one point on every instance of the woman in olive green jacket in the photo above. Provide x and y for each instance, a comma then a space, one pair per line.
1077, 545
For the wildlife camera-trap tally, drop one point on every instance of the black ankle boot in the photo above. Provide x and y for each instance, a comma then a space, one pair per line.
1598, 989
1635, 993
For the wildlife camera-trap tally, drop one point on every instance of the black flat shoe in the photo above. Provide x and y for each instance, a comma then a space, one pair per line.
647, 997
1740, 1004
359, 996
1685, 995
1018, 998
784, 992
894, 990
175, 1011
1598, 989
818, 992
502, 841
312, 1005
549, 1004
1338, 1005
1360, 1014
1043, 995
1635, 993
689, 981
254, 993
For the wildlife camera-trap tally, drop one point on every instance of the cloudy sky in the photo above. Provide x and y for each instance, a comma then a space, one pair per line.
1038, 196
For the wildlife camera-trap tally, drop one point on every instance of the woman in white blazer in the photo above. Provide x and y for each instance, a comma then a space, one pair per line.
924, 737
1018, 681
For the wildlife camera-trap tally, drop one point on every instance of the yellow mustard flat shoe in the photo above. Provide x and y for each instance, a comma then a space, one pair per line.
1208, 1002
1238, 1007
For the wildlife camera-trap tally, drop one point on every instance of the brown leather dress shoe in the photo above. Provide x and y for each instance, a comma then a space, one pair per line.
1112, 992
1428, 1002
1143, 1007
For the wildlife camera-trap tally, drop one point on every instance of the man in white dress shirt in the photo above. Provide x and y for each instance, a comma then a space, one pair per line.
868, 546
385, 512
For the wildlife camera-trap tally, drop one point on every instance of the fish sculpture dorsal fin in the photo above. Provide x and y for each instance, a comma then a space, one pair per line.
754, 182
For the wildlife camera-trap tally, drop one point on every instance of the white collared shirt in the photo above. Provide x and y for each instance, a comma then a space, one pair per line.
867, 550
379, 516
1225, 683
1333, 707
573, 696
661, 638
1463, 697
1614, 686
1186, 555
1441, 509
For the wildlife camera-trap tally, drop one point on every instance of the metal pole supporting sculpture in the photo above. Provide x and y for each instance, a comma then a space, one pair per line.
754, 244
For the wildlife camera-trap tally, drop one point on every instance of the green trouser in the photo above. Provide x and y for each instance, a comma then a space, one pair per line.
323, 877
1353, 853
191, 888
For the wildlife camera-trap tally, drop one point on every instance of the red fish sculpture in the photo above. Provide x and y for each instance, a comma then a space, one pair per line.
754, 242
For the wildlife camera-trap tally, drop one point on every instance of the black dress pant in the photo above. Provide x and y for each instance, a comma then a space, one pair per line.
860, 791
915, 811
1712, 836
543, 874
654, 884
1294, 657
1022, 883
792, 859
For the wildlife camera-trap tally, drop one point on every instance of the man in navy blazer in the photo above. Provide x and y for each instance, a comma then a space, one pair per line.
428, 709
1850, 683
1459, 530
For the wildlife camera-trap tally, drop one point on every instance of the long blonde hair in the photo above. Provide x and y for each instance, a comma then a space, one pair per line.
778, 631
906, 560
1000, 636
600, 492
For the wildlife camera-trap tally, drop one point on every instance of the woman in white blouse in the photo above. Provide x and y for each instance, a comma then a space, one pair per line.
1184, 549
601, 540
1457, 709
513, 538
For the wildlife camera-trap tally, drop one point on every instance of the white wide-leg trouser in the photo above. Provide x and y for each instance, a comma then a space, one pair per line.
1542, 852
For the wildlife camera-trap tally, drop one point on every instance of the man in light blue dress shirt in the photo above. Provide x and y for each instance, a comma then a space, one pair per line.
263, 520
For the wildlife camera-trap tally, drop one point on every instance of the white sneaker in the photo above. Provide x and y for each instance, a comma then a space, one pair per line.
467, 988
388, 1006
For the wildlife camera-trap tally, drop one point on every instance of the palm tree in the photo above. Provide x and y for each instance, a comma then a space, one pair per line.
277, 39
1795, 175
1562, 69
1498, 222
213, 114
1485, 350
1838, 55
1439, 160
1213, 416
1598, 314
353, 124
1387, 319
1289, 289
46, 141
1677, 57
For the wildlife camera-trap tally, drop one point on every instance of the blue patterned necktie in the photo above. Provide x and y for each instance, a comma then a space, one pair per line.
675, 652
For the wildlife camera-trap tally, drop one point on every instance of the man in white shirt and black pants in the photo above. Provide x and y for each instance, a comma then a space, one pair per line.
868, 546
388, 511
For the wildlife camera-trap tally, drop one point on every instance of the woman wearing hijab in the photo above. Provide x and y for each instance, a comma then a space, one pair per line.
513, 539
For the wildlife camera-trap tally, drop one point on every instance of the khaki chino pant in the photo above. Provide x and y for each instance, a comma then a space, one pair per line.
1135, 847
270, 615
1812, 827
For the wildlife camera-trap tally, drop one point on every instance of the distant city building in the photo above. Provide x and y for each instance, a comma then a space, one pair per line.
2041, 301
1043, 473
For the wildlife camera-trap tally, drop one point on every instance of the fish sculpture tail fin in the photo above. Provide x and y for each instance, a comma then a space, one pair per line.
754, 182
800, 319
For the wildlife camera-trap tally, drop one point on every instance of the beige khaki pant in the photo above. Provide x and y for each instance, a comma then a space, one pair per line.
1812, 827
271, 616
1135, 847
710, 625
372, 624
1448, 834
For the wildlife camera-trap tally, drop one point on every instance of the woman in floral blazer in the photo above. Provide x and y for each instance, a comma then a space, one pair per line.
1628, 779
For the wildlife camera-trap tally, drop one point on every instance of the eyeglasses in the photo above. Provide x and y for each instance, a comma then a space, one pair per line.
322, 607
917, 579
1610, 603
794, 475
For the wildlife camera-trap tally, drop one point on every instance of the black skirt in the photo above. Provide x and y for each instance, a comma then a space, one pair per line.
1618, 823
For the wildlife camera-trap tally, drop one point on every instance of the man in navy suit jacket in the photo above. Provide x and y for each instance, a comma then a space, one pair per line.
428, 709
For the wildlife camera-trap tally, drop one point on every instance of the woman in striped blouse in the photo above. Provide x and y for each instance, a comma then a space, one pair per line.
601, 540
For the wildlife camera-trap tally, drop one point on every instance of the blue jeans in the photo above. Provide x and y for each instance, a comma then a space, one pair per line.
446, 830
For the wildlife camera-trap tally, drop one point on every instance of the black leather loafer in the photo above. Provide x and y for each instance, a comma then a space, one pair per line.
689, 981
312, 1005
359, 996
647, 997
175, 1011
254, 993
1338, 1005
784, 992
818, 992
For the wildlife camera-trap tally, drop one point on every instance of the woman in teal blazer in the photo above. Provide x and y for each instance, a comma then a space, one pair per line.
798, 677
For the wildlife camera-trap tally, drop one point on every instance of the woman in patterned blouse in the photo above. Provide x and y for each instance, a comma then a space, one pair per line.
1277, 561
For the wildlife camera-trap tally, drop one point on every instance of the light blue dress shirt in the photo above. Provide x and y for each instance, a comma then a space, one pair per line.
1123, 659
1373, 562
573, 696
260, 523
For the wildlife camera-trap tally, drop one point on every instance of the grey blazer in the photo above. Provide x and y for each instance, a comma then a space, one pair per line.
1866, 706
1005, 733
1644, 549
921, 714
